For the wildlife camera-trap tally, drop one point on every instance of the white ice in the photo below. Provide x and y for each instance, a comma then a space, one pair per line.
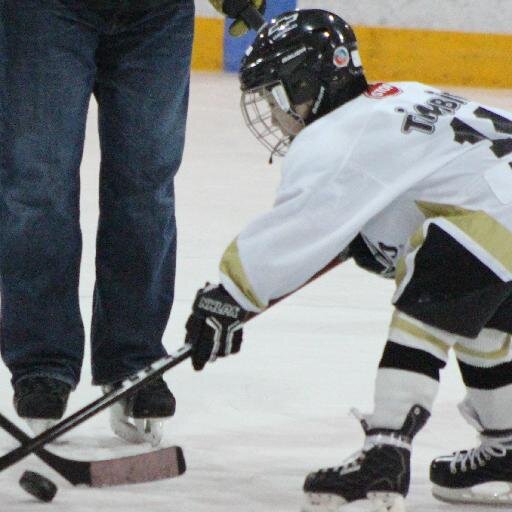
254, 425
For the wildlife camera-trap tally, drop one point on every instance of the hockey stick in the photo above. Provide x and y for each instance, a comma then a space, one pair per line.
156, 465
127, 387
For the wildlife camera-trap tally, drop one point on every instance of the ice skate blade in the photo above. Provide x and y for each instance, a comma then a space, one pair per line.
375, 502
387, 501
136, 431
150, 429
319, 502
491, 493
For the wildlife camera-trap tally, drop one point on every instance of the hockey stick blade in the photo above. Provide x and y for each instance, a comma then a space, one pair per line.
148, 467
126, 388
144, 467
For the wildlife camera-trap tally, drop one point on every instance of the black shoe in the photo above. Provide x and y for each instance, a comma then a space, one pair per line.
455, 476
380, 472
41, 398
154, 400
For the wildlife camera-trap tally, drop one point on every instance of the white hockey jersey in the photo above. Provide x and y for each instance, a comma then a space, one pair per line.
383, 165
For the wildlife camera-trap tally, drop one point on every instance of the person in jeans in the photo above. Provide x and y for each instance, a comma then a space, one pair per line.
134, 57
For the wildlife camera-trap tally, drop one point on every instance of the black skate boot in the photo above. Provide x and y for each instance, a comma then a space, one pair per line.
480, 475
154, 400
41, 401
139, 417
380, 472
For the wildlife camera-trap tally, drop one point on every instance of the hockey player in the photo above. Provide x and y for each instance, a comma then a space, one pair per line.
413, 183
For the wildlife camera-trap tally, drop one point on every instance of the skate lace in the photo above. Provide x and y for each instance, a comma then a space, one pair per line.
479, 456
353, 461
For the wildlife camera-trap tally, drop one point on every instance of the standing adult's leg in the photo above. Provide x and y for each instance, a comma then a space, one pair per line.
47, 71
142, 92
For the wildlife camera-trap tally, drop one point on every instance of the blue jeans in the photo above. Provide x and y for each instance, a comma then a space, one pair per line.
53, 55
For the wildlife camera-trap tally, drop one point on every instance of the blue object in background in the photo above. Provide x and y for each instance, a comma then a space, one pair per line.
234, 47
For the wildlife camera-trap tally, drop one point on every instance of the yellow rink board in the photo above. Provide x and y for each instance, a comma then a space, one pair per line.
207, 53
439, 57
456, 58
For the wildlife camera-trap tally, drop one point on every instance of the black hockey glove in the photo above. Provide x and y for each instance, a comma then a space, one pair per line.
214, 329
233, 8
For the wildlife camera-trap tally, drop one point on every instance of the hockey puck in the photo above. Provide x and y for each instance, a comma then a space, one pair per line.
38, 486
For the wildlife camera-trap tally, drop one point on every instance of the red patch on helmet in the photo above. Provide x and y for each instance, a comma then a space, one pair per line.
341, 57
381, 90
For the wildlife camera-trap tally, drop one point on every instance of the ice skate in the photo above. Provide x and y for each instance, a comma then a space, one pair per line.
41, 401
481, 475
379, 474
139, 418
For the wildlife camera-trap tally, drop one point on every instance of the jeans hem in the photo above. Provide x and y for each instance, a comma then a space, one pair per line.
58, 376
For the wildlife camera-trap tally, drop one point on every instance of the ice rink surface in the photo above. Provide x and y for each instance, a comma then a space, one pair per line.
254, 425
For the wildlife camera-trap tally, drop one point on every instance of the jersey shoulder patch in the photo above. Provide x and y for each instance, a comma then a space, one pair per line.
381, 90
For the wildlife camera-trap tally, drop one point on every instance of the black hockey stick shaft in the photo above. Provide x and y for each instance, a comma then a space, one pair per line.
127, 387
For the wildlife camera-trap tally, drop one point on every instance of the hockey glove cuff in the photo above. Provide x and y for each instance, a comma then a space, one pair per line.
214, 329
233, 8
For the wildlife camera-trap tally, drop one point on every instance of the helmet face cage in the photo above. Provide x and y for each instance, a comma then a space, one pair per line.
270, 117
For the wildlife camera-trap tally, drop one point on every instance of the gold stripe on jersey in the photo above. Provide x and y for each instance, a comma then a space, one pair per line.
488, 233
401, 269
231, 265
402, 322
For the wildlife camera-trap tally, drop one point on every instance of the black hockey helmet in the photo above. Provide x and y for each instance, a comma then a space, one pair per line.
306, 56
